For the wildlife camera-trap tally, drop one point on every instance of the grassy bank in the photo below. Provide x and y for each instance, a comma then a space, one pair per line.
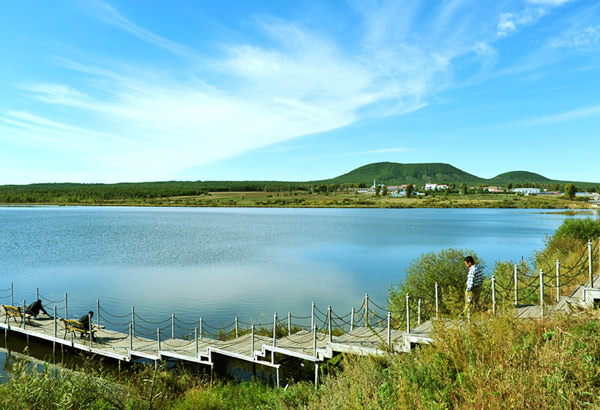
494, 363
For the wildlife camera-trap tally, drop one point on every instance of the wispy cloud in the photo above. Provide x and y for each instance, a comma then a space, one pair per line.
578, 38
510, 22
571, 115
108, 14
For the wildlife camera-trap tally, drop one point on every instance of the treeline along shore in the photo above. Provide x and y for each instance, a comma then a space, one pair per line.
379, 185
272, 194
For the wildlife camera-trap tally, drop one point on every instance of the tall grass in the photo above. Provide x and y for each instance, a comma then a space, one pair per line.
491, 363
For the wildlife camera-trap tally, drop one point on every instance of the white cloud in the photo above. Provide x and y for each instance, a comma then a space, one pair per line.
510, 22
578, 38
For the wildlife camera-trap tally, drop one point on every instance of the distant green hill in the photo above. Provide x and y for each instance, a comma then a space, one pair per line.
392, 173
521, 176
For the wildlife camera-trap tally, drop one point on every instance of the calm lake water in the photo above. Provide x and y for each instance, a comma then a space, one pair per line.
221, 262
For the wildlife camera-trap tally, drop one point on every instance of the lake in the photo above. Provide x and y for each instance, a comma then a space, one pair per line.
217, 263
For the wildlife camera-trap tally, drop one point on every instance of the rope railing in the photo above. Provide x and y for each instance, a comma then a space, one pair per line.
144, 329
115, 324
47, 300
150, 322
580, 262
106, 312
220, 328
177, 320
377, 306
258, 325
531, 293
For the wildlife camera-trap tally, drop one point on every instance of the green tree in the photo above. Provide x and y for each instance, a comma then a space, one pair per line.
384, 191
409, 190
509, 186
447, 268
570, 191
463, 188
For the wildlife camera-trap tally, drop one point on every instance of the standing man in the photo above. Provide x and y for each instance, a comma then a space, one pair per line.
474, 282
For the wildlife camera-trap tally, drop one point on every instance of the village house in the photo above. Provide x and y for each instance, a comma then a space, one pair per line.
435, 187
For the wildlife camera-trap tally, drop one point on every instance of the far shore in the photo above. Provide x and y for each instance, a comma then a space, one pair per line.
299, 199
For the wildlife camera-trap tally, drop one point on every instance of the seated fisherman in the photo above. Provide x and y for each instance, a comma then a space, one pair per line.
85, 320
35, 308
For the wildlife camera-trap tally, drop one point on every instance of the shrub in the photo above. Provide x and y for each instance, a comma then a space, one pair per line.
447, 268
582, 229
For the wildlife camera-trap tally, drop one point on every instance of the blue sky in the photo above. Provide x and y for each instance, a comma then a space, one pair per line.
110, 91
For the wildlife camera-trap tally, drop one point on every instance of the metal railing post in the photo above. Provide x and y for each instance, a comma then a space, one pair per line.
158, 339
542, 293
133, 319
252, 341
329, 322
515, 279
352, 320
407, 313
98, 313
200, 328
275, 329
289, 323
236, 327
419, 312
437, 302
37, 293
91, 329
590, 263
314, 341
389, 328
493, 295
312, 315
172, 325
557, 280
66, 307
12, 294
130, 337
24, 310
196, 339
55, 324
366, 309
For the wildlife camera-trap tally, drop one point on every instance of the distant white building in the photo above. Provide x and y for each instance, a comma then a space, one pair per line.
433, 187
527, 191
370, 190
